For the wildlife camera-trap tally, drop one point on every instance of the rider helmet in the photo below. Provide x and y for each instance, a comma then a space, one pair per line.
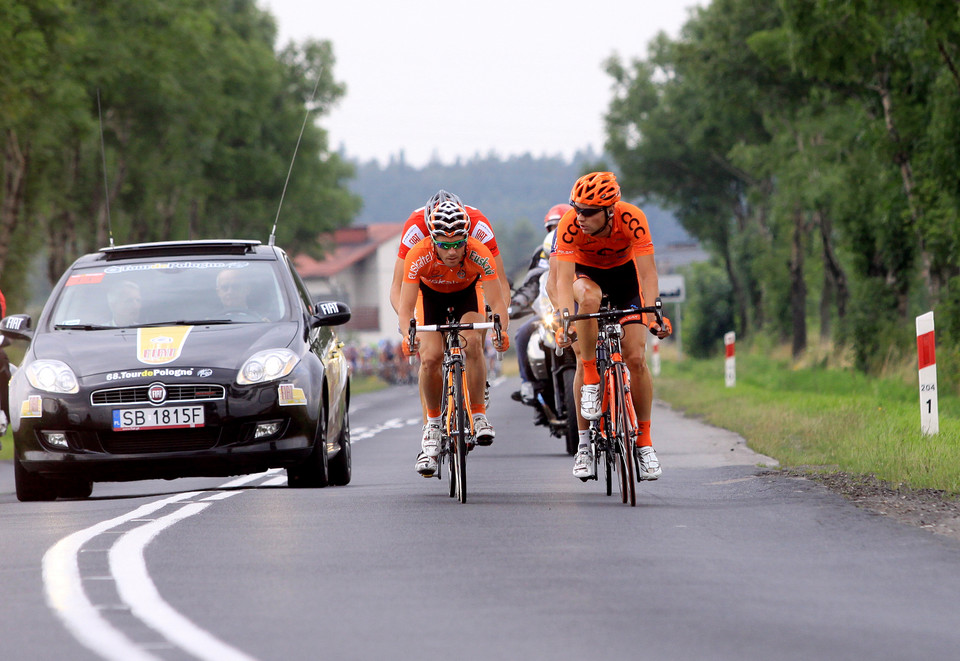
597, 189
446, 216
552, 219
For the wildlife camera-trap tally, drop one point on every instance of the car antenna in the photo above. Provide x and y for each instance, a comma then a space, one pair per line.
103, 158
273, 232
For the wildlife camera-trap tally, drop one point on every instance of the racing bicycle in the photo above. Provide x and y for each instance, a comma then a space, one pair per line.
614, 434
456, 427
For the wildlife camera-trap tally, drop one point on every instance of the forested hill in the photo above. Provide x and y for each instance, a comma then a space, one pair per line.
508, 191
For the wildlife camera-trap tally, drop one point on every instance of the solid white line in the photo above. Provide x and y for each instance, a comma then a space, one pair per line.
67, 599
136, 589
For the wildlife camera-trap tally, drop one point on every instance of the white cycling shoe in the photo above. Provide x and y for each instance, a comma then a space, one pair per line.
426, 465
430, 444
647, 464
590, 401
483, 430
583, 466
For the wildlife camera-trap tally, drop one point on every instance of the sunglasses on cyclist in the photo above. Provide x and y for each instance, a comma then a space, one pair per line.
451, 245
587, 212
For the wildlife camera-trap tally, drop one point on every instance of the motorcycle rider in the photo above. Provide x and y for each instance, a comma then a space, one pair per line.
528, 291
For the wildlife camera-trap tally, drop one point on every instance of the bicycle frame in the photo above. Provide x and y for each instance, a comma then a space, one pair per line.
457, 429
615, 433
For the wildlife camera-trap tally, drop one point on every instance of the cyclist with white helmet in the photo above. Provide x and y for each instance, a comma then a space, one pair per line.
449, 269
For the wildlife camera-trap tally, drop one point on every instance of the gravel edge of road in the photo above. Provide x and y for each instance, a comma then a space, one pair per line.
929, 509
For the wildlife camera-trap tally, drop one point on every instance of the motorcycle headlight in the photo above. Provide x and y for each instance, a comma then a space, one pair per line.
52, 376
268, 365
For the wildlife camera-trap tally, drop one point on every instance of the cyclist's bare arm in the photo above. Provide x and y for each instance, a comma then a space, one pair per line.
406, 305
395, 286
565, 275
650, 287
502, 279
493, 294
552, 281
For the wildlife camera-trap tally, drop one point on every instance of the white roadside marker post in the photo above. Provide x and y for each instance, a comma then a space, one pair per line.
927, 361
655, 356
730, 364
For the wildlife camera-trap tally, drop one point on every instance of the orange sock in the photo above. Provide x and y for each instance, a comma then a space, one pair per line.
478, 408
590, 373
644, 440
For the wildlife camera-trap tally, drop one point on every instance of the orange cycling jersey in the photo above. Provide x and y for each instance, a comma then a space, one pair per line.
422, 264
415, 229
629, 237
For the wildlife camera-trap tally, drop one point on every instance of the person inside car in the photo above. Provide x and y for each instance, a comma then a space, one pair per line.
124, 301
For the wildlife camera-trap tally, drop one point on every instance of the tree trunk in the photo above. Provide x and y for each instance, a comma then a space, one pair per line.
798, 286
902, 159
15, 161
834, 278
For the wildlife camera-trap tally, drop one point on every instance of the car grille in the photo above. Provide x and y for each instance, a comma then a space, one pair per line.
152, 441
138, 394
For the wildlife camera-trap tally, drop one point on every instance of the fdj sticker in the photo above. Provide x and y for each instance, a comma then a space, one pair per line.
289, 395
32, 407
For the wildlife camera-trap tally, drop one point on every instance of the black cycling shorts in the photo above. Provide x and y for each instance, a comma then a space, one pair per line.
436, 303
620, 284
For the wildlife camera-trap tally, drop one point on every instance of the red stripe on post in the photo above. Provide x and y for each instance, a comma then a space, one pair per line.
730, 350
925, 350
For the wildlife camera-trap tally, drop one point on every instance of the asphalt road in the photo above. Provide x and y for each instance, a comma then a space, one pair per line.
719, 560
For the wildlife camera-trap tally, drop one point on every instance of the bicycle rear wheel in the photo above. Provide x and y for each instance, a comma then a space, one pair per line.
624, 439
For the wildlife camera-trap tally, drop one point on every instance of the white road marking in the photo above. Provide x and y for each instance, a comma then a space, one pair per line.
128, 566
63, 583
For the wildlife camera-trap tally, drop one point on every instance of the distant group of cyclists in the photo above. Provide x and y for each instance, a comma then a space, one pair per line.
448, 266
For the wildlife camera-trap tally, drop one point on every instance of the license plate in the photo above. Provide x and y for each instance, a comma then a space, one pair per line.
167, 417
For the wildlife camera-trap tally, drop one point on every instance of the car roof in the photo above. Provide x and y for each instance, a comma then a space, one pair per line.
195, 248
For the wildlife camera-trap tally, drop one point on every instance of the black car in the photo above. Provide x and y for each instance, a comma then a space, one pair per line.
177, 359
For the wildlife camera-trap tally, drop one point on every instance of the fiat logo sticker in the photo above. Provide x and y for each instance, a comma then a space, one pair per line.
156, 393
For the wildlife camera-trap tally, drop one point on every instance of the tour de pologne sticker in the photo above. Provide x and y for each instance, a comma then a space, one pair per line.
291, 395
32, 407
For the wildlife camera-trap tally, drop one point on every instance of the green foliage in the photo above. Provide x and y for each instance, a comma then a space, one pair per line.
821, 418
814, 148
708, 314
200, 121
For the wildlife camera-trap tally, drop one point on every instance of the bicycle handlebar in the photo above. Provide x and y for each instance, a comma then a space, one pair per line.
565, 317
453, 326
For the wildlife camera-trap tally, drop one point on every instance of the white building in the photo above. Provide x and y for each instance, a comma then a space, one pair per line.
357, 270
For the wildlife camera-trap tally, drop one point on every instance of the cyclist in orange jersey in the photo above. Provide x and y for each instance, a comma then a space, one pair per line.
415, 229
448, 269
603, 247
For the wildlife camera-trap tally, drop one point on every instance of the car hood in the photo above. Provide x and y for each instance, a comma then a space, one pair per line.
220, 346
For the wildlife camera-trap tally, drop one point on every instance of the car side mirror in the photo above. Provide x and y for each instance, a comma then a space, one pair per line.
17, 327
330, 313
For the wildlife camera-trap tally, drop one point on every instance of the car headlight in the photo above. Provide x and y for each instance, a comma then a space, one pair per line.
268, 365
52, 376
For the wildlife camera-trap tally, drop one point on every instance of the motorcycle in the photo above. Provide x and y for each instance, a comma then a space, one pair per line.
553, 388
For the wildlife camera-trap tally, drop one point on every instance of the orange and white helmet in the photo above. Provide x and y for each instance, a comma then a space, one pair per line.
446, 216
597, 189
552, 219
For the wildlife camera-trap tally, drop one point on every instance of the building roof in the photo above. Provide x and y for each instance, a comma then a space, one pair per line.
346, 247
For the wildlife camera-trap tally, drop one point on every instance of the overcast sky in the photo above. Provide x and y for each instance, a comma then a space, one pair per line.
446, 78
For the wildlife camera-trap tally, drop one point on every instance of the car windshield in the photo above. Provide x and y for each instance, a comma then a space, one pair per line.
170, 292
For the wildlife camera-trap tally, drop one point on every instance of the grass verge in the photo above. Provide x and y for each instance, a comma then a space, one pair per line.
822, 419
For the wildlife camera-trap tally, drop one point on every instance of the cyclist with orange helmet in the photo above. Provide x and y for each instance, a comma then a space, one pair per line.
603, 247
449, 269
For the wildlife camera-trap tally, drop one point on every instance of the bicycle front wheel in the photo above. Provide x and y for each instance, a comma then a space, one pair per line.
459, 430
624, 438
